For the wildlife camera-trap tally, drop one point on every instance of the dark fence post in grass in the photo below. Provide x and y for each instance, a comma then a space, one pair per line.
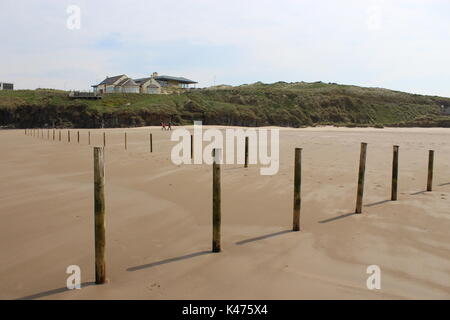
99, 214
104, 139
394, 174
192, 146
430, 170
362, 170
125, 141
151, 142
297, 189
246, 153
216, 201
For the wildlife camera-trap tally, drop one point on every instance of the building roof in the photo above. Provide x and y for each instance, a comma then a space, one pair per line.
111, 80
128, 82
140, 80
170, 78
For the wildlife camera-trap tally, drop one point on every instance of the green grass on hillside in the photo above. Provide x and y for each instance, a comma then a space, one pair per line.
283, 104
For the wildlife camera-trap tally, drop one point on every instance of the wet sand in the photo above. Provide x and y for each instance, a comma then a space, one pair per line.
159, 219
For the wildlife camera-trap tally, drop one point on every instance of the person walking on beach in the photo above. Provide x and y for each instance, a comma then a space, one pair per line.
163, 125
170, 126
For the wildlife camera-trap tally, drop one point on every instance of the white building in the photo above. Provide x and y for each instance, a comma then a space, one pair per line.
155, 84
6, 86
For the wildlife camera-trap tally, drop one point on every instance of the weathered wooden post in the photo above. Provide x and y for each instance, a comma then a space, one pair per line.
99, 214
216, 201
53, 134
430, 170
151, 142
78, 136
104, 139
59, 135
48, 134
125, 141
362, 170
394, 174
246, 152
68, 136
192, 146
297, 189
89, 137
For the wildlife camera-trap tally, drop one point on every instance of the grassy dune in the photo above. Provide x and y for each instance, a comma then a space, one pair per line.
281, 104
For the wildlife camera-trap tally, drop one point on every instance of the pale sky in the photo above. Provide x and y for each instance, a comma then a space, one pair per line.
398, 44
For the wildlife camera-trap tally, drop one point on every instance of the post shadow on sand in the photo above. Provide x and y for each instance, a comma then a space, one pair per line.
170, 260
418, 192
444, 184
338, 217
270, 235
377, 203
53, 291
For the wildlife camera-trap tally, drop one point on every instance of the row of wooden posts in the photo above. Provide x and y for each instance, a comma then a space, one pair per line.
99, 197
216, 199
40, 133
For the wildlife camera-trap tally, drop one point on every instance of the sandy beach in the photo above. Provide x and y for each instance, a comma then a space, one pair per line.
159, 219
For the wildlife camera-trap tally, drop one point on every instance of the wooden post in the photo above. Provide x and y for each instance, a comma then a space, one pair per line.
192, 146
297, 189
125, 141
99, 215
89, 138
48, 134
362, 169
151, 142
216, 201
430, 170
53, 134
59, 135
394, 174
246, 152
78, 136
68, 136
104, 139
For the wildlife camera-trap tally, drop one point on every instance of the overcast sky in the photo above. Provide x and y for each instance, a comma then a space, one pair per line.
402, 44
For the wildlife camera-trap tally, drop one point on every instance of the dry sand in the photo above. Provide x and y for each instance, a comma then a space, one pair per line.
159, 219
